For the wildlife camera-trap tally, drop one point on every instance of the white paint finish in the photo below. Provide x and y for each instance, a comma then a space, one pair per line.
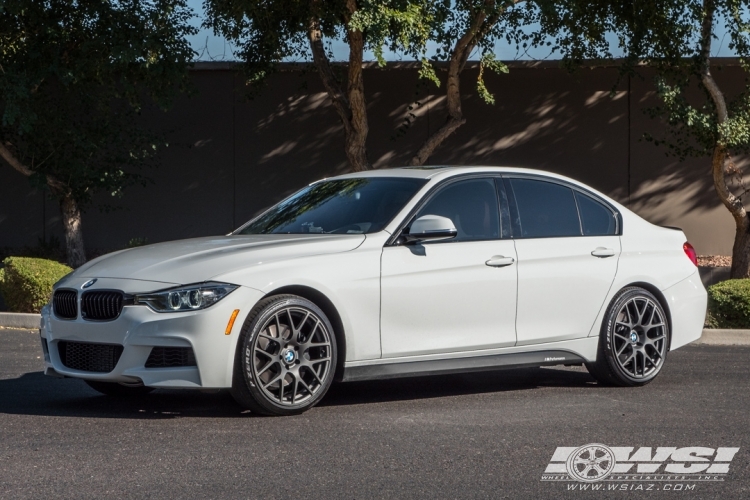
201, 259
562, 286
350, 280
138, 329
448, 303
687, 304
652, 254
448, 299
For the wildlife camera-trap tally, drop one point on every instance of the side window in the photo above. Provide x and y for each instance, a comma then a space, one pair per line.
472, 205
596, 219
545, 209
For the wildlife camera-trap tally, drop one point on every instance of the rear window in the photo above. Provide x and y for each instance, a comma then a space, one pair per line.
545, 209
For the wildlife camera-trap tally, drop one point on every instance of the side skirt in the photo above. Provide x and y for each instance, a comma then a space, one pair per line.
460, 365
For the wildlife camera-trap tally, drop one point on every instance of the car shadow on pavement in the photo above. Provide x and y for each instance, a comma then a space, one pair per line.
403, 389
35, 394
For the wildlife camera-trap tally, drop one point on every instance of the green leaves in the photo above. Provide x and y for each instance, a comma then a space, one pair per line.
26, 283
488, 61
729, 304
74, 78
669, 37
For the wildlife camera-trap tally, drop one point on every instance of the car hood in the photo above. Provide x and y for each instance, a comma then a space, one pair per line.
201, 259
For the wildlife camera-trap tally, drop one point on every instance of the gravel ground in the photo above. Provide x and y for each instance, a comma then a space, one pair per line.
715, 260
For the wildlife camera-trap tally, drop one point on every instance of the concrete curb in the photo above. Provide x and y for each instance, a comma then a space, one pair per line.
20, 320
724, 337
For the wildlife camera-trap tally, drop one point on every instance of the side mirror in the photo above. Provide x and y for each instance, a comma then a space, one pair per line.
430, 228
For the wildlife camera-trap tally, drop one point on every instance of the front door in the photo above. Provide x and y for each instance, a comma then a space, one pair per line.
454, 295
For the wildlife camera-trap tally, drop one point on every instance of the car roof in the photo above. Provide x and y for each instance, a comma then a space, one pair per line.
439, 172
443, 171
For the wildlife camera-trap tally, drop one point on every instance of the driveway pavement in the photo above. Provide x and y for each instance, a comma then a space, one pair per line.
486, 435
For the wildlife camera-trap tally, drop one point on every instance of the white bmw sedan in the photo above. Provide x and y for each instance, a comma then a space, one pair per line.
389, 273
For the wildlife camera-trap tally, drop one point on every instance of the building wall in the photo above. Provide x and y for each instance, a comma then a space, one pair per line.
229, 157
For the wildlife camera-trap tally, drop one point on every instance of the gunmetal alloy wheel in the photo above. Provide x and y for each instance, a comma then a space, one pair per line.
287, 357
634, 340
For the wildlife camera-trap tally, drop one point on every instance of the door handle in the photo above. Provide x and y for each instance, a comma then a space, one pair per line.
500, 261
602, 252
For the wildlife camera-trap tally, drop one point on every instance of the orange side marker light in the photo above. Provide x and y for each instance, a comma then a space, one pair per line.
231, 322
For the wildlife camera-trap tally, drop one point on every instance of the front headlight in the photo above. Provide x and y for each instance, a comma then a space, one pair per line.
185, 298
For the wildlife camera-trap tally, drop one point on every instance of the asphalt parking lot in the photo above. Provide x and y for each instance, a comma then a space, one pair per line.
486, 435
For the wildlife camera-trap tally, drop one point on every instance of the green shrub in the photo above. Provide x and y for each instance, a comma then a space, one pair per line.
26, 282
137, 242
729, 304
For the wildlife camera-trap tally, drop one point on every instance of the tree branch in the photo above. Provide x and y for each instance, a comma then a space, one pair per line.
718, 164
706, 76
56, 185
320, 59
480, 25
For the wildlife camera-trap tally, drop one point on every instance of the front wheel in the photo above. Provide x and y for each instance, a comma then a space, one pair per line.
286, 357
634, 340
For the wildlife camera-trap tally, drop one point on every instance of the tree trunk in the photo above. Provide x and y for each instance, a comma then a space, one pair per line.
455, 118
350, 106
356, 151
741, 253
741, 247
71, 213
71, 218
480, 25
733, 203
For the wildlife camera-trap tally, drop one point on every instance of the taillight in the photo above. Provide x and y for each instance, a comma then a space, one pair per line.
690, 252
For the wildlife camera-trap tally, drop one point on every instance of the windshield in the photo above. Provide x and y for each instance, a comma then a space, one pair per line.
345, 206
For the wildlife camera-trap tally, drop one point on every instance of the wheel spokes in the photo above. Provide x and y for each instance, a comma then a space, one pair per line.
296, 347
640, 325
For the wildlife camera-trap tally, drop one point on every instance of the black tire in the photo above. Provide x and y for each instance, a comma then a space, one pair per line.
118, 390
274, 364
625, 349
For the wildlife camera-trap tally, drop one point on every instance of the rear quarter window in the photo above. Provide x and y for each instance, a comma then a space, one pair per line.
596, 218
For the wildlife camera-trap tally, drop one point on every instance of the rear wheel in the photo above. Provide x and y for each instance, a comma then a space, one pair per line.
634, 340
286, 357
118, 390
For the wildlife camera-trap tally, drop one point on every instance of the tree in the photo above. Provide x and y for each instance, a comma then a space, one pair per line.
267, 33
74, 75
270, 32
674, 37
460, 29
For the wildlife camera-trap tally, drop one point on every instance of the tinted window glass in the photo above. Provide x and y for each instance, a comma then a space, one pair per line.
471, 205
596, 219
545, 209
344, 206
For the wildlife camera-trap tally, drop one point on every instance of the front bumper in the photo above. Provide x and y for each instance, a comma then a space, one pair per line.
138, 330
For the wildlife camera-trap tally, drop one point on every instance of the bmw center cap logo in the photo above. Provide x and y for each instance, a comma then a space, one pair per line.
89, 283
633, 337
288, 356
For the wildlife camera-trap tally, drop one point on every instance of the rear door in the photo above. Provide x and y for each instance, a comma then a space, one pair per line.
568, 247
